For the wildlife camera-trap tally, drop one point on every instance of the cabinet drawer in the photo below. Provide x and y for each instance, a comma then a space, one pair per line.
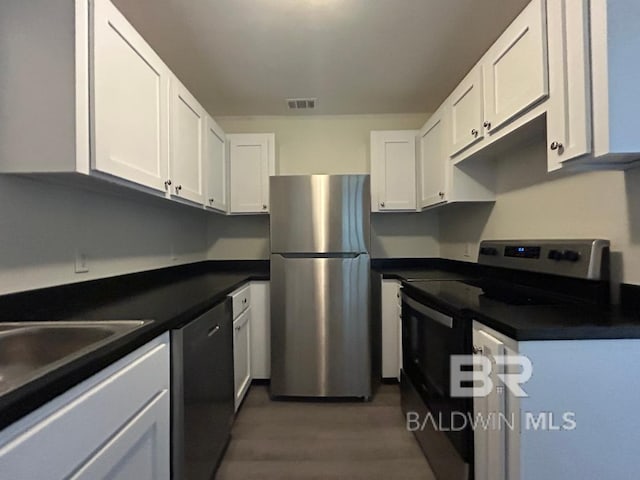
241, 299
64, 434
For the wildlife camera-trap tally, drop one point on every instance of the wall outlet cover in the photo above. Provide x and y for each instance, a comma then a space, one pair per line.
82, 263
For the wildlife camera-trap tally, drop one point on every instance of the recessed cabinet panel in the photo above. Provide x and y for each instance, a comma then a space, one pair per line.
516, 68
130, 102
215, 167
490, 444
433, 161
393, 166
569, 116
186, 149
242, 355
251, 161
466, 112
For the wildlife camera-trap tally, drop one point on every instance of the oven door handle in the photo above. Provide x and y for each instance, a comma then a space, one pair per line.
434, 315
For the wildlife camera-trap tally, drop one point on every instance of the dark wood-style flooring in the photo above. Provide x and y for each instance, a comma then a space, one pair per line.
320, 440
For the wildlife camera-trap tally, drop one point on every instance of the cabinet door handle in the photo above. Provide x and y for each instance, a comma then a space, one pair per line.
211, 200
382, 204
213, 330
441, 194
474, 132
167, 184
478, 350
557, 146
264, 207
487, 125
178, 188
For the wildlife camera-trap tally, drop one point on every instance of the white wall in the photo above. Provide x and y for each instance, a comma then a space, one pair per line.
308, 144
43, 225
332, 144
532, 203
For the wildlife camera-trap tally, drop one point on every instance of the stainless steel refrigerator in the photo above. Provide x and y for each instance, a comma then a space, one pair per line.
320, 322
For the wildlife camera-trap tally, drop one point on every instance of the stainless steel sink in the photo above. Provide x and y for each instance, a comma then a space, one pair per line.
31, 349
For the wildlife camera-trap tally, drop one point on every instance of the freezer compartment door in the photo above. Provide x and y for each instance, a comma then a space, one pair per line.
320, 213
320, 327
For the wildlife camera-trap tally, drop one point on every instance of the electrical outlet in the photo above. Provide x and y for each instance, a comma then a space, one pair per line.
82, 262
467, 249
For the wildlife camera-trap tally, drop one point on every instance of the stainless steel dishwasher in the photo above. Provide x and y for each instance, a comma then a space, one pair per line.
202, 393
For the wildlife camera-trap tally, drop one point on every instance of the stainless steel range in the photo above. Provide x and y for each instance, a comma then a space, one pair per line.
523, 284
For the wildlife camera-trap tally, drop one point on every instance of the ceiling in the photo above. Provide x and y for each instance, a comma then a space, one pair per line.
244, 57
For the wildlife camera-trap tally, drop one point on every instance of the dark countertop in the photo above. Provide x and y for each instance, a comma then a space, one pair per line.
169, 297
174, 296
527, 322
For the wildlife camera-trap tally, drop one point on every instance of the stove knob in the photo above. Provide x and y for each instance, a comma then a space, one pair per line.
571, 255
556, 255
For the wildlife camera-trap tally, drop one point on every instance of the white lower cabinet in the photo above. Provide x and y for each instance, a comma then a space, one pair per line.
242, 355
391, 329
260, 330
114, 425
489, 444
251, 336
575, 405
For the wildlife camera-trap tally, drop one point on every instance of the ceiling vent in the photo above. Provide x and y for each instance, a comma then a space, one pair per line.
302, 103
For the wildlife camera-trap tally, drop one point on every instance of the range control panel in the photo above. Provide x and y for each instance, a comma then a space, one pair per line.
572, 258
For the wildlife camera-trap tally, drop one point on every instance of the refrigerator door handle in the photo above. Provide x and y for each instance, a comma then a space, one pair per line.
320, 255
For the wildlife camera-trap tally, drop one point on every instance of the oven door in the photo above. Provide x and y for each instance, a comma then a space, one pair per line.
429, 338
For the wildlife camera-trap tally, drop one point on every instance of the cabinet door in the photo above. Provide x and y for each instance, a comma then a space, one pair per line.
242, 355
215, 167
466, 112
187, 144
489, 443
129, 103
390, 341
433, 161
251, 161
260, 331
67, 432
393, 170
569, 113
137, 450
515, 68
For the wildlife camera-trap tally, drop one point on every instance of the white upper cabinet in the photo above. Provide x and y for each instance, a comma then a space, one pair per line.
466, 106
215, 166
569, 115
433, 161
187, 121
393, 170
251, 162
515, 68
130, 101
111, 108
440, 179
615, 44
